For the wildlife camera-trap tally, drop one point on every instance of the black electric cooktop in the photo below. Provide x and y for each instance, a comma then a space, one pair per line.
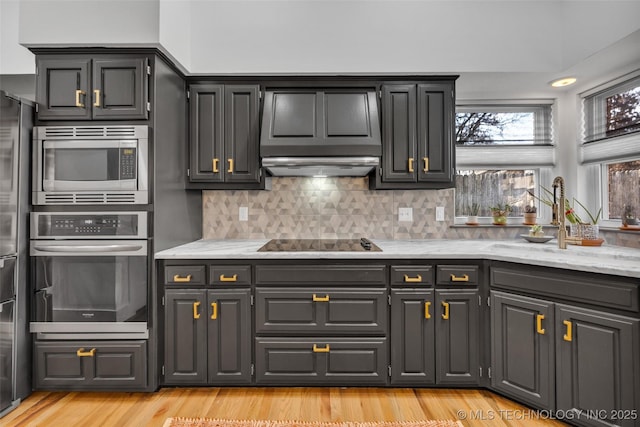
320, 245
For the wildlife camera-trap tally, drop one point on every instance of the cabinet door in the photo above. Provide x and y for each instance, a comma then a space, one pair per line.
119, 88
120, 365
242, 158
206, 133
229, 337
399, 133
412, 337
185, 337
598, 365
457, 352
435, 161
62, 89
522, 342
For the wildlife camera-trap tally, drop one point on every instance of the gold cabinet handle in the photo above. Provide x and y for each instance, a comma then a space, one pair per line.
463, 278
568, 336
410, 164
96, 95
224, 278
426, 164
230, 170
82, 353
539, 328
178, 279
214, 165
427, 307
320, 299
214, 310
79, 93
196, 315
416, 279
445, 315
317, 349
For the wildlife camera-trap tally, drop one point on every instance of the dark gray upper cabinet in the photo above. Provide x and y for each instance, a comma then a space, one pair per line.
81, 87
417, 136
320, 122
457, 344
522, 342
207, 337
597, 366
224, 133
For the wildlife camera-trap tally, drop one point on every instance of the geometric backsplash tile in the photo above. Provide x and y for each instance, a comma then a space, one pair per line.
344, 208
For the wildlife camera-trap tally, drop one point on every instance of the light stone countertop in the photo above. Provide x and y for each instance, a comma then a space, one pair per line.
604, 259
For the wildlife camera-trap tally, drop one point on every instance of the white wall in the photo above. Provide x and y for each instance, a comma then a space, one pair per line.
14, 59
175, 30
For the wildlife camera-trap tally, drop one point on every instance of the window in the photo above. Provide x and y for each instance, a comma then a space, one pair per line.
612, 112
488, 188
503, 151
503, 125
623, 187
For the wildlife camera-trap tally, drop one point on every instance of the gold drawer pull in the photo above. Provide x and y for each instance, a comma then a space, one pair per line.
427, 306
320, 299
214, 310
178, 279
445, 315
96, 94
230, 170
82, 353
317, 349
539, 328
196, 315
214, 165
463, 278
224, 278
79, 93
416, 279
410, 164
426, 164
568, 336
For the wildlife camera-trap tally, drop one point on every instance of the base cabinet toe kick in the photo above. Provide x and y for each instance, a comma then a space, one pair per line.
555, 340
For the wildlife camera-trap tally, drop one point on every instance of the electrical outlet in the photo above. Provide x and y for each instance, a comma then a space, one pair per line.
439, 213
405, 214
243, 213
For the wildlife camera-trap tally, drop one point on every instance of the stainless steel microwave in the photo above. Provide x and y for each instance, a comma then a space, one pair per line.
90, 165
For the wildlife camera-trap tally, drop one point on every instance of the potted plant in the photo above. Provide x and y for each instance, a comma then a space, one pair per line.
530, 215
581, 229
472, 214
536, 231
628, 216
499, 213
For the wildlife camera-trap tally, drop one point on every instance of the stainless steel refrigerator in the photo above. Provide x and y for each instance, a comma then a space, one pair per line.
16, 122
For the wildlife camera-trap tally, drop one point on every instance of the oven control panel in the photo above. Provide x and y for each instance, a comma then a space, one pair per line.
94, 225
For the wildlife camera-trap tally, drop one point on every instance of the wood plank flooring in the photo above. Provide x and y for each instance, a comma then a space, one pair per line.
475, 408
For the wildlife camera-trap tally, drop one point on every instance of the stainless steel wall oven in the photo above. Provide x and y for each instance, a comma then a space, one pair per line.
90, 274
90, 165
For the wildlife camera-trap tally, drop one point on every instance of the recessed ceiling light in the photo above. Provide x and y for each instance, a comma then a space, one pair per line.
565, 81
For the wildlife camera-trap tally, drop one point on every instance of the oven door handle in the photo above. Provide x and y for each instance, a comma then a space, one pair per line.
89, 248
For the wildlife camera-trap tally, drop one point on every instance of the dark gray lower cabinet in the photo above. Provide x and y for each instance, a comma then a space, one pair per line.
434, 336
598, 368
90, 365
207, 336
522, 356
318, 360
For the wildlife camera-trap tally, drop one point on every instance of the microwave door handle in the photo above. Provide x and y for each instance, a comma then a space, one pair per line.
88, 248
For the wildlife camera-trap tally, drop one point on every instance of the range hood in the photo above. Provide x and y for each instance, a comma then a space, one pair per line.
320, 132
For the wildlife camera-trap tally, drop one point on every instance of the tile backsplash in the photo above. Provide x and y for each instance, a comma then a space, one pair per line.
325, 208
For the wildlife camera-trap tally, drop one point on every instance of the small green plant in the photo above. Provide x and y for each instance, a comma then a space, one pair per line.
536, 230
530, 209
473, 210
500, 209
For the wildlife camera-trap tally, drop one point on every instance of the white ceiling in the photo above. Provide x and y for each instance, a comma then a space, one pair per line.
501, 48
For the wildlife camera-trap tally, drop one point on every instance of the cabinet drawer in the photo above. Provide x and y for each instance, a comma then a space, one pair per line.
321, 311
411, 275
457, 275
230, 274
321, 274
184, 275
90, 365
311, 361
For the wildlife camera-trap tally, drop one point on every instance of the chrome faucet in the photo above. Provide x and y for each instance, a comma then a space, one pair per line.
558, 212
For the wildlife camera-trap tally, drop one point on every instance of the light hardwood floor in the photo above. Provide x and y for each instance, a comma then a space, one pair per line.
475, 408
